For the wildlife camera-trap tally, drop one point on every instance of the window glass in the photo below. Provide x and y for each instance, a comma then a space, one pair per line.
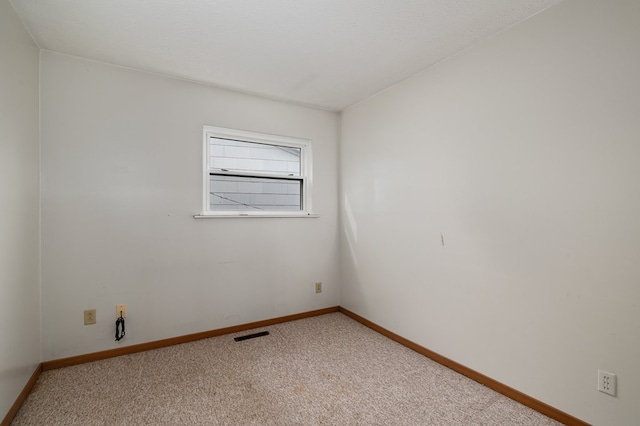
243, 156
250, 193
250, 173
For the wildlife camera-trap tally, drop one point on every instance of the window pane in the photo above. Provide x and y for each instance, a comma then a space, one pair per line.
249, 193
253, 157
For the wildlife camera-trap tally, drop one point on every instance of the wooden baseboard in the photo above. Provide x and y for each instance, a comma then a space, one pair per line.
505, 390
126, 350
23, 395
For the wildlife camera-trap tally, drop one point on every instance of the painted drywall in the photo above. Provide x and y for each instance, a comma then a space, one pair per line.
490, 205
122, 178
20, 208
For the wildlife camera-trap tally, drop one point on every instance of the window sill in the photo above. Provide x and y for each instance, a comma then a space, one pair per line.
245, 215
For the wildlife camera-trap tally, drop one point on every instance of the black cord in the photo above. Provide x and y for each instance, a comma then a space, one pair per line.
119, 324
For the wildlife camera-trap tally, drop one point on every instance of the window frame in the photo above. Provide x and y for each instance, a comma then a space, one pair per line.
306, 172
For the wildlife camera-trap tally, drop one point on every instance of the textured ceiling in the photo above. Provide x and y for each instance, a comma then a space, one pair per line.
325, 53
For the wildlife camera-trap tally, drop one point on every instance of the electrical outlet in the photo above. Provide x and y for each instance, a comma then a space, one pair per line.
121, 311
89, 316
607, 382
318, 287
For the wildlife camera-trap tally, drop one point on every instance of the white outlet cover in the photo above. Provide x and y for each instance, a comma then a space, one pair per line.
121, 309
607, 382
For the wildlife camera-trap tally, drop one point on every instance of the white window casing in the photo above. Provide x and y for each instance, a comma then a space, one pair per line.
249, 174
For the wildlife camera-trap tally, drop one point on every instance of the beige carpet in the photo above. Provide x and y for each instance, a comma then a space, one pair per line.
327, 370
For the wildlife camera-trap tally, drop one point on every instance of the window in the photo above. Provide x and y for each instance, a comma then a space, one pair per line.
254, 174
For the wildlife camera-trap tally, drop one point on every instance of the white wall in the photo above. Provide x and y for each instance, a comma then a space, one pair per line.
122, 179
19, 209
523, 153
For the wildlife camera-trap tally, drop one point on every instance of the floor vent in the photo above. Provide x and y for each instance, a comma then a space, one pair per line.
251, 336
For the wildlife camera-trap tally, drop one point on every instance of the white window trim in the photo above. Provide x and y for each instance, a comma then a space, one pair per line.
306, 172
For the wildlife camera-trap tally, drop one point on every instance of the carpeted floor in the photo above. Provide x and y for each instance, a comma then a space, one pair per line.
326, 370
